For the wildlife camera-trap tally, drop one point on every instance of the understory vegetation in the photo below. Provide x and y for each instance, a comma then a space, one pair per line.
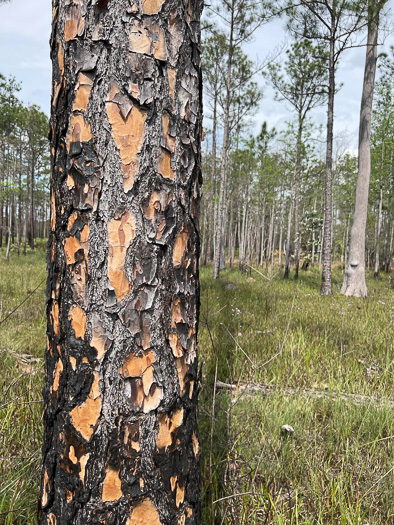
295, 347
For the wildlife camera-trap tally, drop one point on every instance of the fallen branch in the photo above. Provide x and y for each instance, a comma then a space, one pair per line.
306, 392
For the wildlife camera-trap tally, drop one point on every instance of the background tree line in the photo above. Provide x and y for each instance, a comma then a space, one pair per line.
290, 197
24, 170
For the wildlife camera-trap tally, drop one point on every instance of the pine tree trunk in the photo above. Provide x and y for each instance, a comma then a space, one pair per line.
121, 442
288, 241
355, 284
379, 232
31, 233
225, 154
326, 286
297, 196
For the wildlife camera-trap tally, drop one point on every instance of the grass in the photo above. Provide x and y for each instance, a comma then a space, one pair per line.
337, 466
23, 333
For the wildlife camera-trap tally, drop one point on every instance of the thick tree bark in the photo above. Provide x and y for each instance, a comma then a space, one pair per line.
355, 284
121, 442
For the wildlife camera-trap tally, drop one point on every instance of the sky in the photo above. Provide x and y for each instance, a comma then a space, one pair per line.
25, 27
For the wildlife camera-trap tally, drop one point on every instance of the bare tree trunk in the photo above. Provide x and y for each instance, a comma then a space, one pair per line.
297, 196
31, 233
288, 241
326, 286
355, 284
379, 232
225, 153
121, 441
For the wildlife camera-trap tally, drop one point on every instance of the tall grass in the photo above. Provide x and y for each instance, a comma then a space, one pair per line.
337, 466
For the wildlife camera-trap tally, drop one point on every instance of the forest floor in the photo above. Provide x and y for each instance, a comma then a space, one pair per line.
301, 353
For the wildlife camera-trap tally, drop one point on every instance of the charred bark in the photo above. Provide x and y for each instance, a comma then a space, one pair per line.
121, 443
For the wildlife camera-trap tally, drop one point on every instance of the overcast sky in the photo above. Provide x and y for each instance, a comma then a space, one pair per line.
24, 53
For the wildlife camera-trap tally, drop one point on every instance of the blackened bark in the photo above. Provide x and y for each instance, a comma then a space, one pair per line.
121, 442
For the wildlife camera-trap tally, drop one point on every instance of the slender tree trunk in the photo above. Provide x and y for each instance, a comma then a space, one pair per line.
379, 232
297, 195
288, 241
355, 284
121, 442
326, 287
31, 232
225, 154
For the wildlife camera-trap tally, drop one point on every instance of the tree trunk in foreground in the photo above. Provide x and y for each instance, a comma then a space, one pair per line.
355, 284
121, 443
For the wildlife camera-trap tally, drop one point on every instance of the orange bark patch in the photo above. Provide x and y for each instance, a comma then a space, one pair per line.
171, 82
73, 362
168, 427
173, 481
58, 370
82, 95
121, 233
180, 248
176, 313
51, 519
180, 495
78, 130
75, 23
83, 461
72, 456
55, 317
45, 489
196, 444
151, 7
98, 338
85, 416
182, 369
72, 244
112, 490
141, 42
70, 182
153, 400
128, 133
53, 212
164, 164
176, 345
78, 321
139, 39
143, 514
135, 366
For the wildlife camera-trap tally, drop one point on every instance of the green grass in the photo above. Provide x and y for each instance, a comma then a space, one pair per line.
335, 469
21, 384
337, 466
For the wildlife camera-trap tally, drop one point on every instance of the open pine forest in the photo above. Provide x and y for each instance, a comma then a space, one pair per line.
296, 332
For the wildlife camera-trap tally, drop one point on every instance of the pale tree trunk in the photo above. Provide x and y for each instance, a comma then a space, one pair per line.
225, 154
326, 286
270, 237
388, 219
121, 442
379, 232
262, 247
297, 196
30, 230
355, 284
288, 241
